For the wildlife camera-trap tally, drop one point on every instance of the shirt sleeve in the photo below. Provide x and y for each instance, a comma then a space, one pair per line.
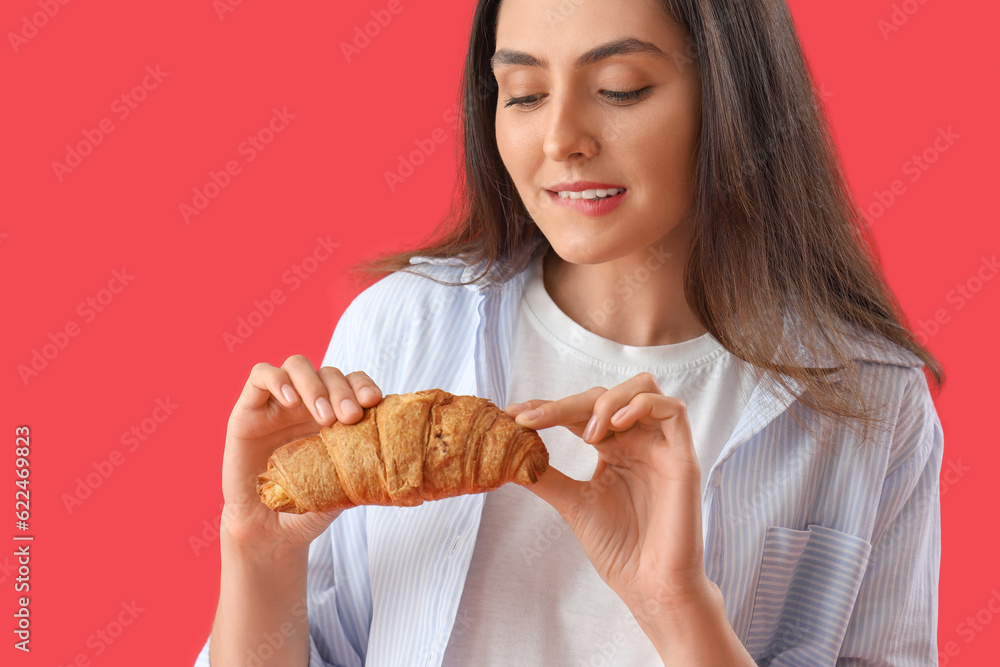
338, 588
894, 621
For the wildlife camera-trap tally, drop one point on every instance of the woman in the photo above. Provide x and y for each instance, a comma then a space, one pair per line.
759, 483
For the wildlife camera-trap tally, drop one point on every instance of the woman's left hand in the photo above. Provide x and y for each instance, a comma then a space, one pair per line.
638, 519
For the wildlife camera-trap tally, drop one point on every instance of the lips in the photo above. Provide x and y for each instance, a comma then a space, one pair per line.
589, 207
580, 186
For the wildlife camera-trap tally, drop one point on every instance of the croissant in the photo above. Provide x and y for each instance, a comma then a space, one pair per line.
406, 449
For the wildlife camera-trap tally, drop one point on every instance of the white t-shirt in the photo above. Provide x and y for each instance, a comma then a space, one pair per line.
531, 596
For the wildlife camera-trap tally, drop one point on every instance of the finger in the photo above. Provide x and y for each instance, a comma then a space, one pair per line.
264, 382
571, 409
340, 395
313, 390
677, 461
593, 407
515, 409
615, 404
367, 392
669, 412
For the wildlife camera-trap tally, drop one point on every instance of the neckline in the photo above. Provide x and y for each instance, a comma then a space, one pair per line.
561, 327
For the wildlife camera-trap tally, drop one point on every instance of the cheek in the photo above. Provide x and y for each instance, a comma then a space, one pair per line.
508, 133
516, 149
665, 144
503, 138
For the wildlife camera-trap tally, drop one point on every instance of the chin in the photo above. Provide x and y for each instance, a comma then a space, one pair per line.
582, 250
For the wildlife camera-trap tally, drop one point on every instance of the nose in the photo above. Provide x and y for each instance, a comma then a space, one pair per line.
569, 133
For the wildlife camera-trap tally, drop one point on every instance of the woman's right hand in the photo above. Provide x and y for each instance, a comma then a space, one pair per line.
277, 406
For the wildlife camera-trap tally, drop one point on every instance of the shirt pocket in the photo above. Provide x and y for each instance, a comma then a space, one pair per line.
807, 585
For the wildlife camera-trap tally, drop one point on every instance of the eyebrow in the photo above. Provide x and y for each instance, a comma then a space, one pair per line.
624, 46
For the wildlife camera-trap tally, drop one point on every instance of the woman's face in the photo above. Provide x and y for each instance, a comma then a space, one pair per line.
572, 128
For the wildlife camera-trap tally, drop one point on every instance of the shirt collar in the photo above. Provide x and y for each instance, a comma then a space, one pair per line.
863, 345
500, 274
504, 287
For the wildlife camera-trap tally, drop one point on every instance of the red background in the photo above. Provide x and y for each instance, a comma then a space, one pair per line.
323, 175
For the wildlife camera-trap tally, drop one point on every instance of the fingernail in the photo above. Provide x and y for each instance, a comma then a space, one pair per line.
367, 394
516, 406
588, 433
618, 416
288, 393
349, 407
324, 408
531, 415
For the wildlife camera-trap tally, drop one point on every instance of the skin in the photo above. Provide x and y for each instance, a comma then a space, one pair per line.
569, 130
639, 518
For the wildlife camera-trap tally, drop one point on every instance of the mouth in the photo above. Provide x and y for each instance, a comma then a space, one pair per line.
589, 202
586, 190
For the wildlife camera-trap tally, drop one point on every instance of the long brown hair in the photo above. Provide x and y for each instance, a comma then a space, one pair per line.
775, 222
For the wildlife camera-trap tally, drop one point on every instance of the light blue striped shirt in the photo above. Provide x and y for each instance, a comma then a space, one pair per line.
821, 559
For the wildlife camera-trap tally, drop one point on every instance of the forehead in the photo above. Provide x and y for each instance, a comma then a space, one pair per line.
579, 33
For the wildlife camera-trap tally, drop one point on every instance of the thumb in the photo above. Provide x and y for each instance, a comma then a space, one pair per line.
330, 516
559, 490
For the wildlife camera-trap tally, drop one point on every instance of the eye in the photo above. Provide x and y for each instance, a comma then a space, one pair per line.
613, 95
628, 96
